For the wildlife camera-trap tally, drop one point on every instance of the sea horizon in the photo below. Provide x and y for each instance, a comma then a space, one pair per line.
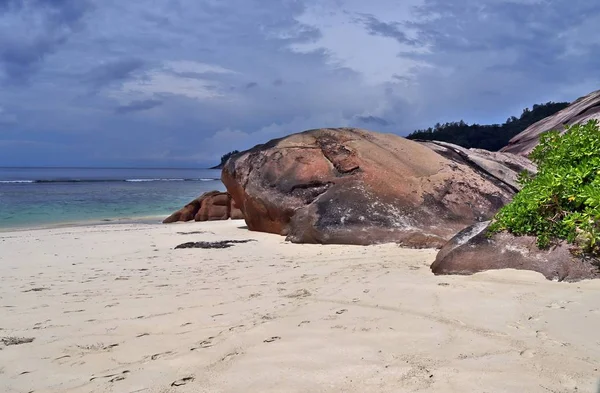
33, 197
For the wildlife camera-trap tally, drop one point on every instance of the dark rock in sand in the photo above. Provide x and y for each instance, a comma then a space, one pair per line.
580, 111
8, 341
471, 251
207, 245
210, 206
351, 186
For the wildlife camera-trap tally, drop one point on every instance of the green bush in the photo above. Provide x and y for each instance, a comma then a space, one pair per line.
562, 201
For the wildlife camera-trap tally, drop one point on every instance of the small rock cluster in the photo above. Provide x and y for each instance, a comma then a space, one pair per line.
210, 206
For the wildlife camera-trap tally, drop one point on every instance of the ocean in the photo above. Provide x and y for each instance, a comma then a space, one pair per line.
34, 197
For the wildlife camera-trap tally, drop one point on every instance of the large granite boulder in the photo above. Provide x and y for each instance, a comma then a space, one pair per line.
472, 251
210, 206
579, 112
351, 186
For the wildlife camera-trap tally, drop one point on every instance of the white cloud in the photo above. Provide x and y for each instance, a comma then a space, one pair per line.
184, 78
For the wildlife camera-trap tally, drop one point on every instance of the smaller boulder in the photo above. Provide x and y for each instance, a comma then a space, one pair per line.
472, 251
186, 213
214, 207
235, 212
210, 206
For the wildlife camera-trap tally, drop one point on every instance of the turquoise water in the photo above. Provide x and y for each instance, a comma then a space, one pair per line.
32, 197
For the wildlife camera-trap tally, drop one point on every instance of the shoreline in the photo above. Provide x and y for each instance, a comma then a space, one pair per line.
151, 219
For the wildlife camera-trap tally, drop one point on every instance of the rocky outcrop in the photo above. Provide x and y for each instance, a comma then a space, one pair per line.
210, 206
504, 167
472, 251
580, 111
214, 206
235, 213
351, 186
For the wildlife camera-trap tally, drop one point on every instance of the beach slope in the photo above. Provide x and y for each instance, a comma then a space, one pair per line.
115, 308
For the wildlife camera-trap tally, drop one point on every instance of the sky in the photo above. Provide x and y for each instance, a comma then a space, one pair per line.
178, 83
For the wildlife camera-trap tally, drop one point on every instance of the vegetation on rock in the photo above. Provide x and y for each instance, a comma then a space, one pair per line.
562, 201
489, 137
224, 159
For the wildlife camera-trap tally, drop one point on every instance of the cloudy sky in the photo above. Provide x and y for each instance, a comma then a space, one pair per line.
180, 82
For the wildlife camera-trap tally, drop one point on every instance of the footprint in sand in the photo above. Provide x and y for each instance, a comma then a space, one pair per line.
559, 305
272, 339
97, 347
72, 311
298, 294
204, 344
544, 337
36, 290
229, 356
527, 353
158, 355
61, 358
182, 381
114, 377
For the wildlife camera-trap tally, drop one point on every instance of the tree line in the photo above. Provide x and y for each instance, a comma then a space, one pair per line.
491, 137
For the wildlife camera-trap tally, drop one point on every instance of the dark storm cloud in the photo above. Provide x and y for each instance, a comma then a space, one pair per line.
137, 106
215, 70
393, 30
488, 59
31, 30
535, 36
373, 120
113, 71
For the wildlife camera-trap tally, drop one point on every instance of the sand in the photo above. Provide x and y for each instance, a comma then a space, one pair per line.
115, 308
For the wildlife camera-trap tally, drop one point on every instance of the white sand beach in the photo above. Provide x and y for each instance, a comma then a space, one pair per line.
115, 308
